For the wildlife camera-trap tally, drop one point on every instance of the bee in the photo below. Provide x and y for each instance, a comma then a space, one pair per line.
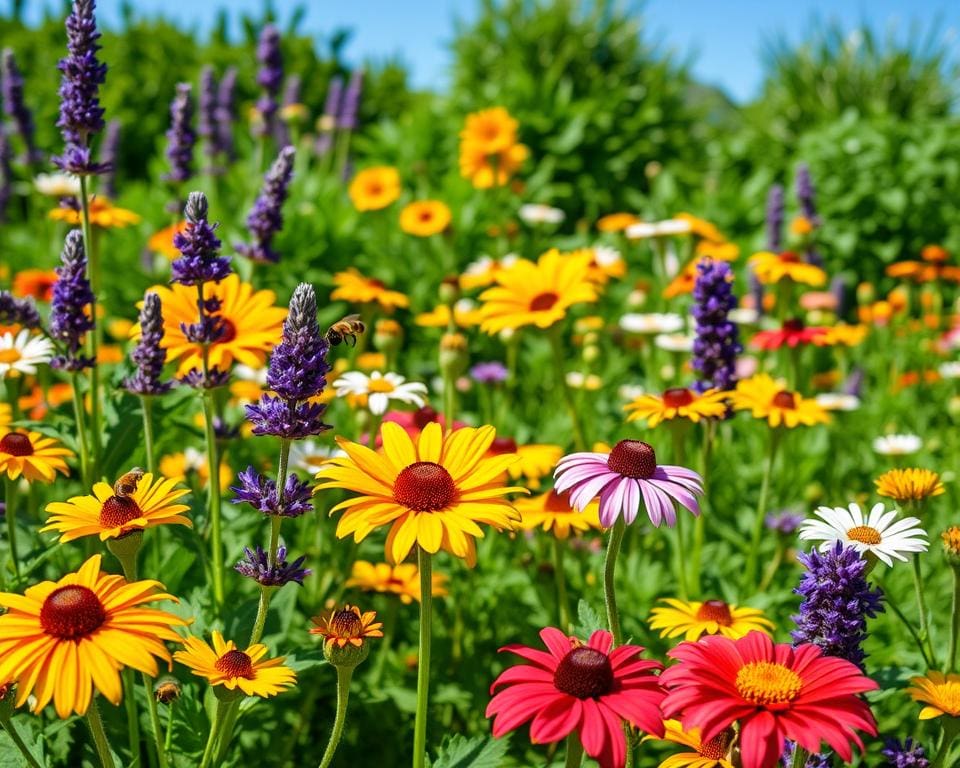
127, 483
346, 330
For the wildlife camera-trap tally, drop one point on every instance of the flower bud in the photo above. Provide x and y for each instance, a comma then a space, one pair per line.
453, 355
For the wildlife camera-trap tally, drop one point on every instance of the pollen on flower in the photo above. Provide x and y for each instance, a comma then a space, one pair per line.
865, 535
72, 612
16, 444
633, 458
118, 511
715, 610
766, 683
584, 673
235, 663
677, 397
425, 487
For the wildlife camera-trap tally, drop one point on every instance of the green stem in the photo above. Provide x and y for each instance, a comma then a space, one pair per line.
7, 725
922, 608
750, 570
700, 526
800, 756
133, 719
226, 730
423, 665
557, 343
951, 727
560, 577
954, 622
449, 400
147, 410
892, 604
93, 270
222, 707
155, 721
213, 498
79, 415
168, 739
609, 568
99, 736
343, 695
574, 751
10, 499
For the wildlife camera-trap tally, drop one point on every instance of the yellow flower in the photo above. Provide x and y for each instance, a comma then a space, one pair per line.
6, 414
678, 403
111, 516
771, 268
842, 334
701, 227
432, 494
940, 692
951, 543
161, 241
711, 617
466, 314
490, 130
425, 218
719, 251
176, 467
484, 271
537, 294
710, 754
767, 399
102, 214
402, 580
616, 222
535, 461
552, 512
32, 455
485, 170
909, 484
252, 324
227, 665
374, 188
355, 288
61, 640
801, 226
346, 626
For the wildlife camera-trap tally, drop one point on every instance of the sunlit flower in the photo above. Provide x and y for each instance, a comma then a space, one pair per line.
605, 263
710, 617
373, 189
161, 241
466, 314
20, 354
57, 184
103, 214
347, 626
425, 218
837, 401
225, 664
880, 533
793, 333
677, 403
355, 288
670, 227
32, 455
37, 283
491, 170
897, 445
553, 513
651, 323
62, 640
616, 222
767, 399
939, 692
490, 130
177, 466
378, 390
843, 334
537, 213
771, 268
905, 485
705, 754
484, 271
402, 580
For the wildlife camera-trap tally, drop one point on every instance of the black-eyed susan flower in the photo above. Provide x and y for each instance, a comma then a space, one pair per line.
424, 218
939, 692
433, 494
356, 288
713, 753
373, 189
31, 455
347, 626
766, 398
694, 619
110, 514
103, 214
402, 580
534, 461
914, 484
677, 403
62, 640
771, 268
466, 314
551, 512
226, 665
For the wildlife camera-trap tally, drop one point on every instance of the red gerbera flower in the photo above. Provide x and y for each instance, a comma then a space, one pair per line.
587, 688
792, 334
776, 692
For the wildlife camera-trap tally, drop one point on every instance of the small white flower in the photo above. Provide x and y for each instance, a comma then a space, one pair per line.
580, 380
878, 533
193, 460
21, 354
674, 342
536, 213
380, 389
57, 184
950, 370
651, 322
897, 445
246, 373
743, 316
630, 392
838, 401
310, 455
664, 228
605, 256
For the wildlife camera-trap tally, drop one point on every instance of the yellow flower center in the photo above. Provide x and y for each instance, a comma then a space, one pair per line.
235, 663
10, 355
766, 684
865, 535
380, 385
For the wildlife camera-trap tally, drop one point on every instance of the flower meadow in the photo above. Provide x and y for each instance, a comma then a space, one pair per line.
310, 458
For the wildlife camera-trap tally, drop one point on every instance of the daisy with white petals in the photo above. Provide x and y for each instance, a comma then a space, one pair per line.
879, 533
378, 390
21, 354
897, 445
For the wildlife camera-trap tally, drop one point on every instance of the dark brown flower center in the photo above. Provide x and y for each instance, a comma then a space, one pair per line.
426, 215
715, 610
346, 624
503, 445
543, 301
229, 332
584, 673
118, 511
718, 746
793, 326
677, 397
16, 444
424, 416
71, 612
785, 399
235, 664
425, 487
633, 458
790, 257
557, 502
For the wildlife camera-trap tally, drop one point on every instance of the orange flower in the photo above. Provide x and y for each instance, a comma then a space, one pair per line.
354, 287
102, 214
490, 131
425, 218
616, 222
485, 171
37, 283
162, 241
373, 189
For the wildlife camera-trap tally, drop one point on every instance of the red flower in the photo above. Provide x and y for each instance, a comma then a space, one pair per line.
776, 692
792, 334
587, 688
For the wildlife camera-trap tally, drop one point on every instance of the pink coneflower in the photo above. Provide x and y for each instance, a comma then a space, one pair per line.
584, 688
622, 478
792, 334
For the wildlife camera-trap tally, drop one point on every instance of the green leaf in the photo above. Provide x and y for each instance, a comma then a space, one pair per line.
589, 619
479, 752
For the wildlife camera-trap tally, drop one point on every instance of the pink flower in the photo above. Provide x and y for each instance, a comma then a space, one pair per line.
624, 477
584, 688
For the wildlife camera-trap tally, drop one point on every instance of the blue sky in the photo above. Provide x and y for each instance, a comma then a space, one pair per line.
725, 38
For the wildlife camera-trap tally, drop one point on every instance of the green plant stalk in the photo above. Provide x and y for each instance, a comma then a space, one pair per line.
133, 719
678, 431
423, 665
557, 344
344, 674
222, 707
80, 417
560, 578
700, 526
954, 622
574, 751
951, 727
910, 628
750, 570
10, 499
99, 736
147, 409
213, 497
93, 270
7, 725
922, 608
168, 739
226, 730
800, 756
609, 571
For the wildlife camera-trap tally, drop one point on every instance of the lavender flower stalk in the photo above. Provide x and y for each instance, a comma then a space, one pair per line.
109, 151
199, 261
266, 216
81, 116
69, 319
717, 342
269, 77
207, 111
15, 311
261, 494
180, 136
327, 124
255, 565
775, 208
15, 107
6, 173
226, 113
906, 754
350, 106
805, 194
148, 355
837, 600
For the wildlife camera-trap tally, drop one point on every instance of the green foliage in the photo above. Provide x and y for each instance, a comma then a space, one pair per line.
478, 752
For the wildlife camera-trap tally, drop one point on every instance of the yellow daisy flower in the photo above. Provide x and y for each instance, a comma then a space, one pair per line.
62, 640
711, 617
32, 455
466, 314
227, 665
355, 288
843, 334
768, 399
940, 692
425, 218
534, 461
373, 189
402, 580
537, 293
432, 494
711, 754
110, 515
177, 466
677, 403
771, 268
490, 170
347, 626
701, 227
551, 512
490, 130
912, 484
616, 222
103, 214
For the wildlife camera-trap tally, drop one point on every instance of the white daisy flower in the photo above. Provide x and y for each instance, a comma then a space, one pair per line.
651, 322
743, 316
838, 401
21, 354
580, 380
674, 342
536, 213
878, 533
57, 184
310, 455
666, 228
897, 445
193, 460
380, 389
605, 256
950, 370
246, 373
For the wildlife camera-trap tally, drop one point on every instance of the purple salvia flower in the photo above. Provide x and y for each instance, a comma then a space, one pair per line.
226, 112
785, 522
148, 355
180, 135
350, 106
199, 246
256, 565
266, 217
81, 116
837, 600
838, 287
109, 151
15, 107
269, 76
908, 754
15, 311
775, 207
69, 318
6, 173
492, 372
854, 383
717, 341
327, 124
805, 194
207, 108
261, 493
756, 292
